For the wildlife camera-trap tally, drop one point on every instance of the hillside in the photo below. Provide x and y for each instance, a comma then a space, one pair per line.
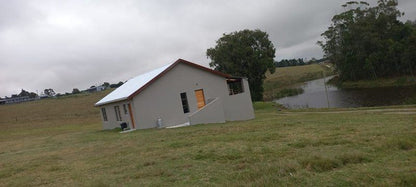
287, 78
60, 142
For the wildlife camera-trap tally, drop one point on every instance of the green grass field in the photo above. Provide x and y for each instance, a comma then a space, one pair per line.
59, 142
287, 79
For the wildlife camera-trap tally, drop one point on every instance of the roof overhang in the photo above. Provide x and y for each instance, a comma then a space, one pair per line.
111, 101
156, 77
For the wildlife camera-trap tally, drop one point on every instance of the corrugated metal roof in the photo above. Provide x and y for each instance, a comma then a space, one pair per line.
135, 85
131, 86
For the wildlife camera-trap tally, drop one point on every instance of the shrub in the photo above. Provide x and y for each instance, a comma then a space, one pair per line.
287, 92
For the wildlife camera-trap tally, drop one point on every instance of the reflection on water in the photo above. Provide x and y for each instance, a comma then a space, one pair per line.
314, 96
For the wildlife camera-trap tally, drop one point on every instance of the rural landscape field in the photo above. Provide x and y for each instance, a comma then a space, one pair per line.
285, 80
87, 85
59, 142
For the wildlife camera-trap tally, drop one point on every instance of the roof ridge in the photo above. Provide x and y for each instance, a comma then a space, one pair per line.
137, 84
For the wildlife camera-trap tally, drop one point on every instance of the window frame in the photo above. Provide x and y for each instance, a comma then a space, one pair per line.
118, 114
104, 113
125, 109
185, 103
234, 83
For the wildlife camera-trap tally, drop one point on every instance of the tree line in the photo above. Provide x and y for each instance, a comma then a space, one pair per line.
49, 92
290, 62
297, 62
370, 42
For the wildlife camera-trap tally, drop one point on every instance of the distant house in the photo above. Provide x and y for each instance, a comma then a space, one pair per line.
44, 96
181, 93
96, 89
17, 99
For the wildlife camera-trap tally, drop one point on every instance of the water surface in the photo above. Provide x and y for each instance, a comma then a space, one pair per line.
315, 96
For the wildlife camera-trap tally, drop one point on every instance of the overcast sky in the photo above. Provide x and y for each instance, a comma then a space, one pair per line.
75, 44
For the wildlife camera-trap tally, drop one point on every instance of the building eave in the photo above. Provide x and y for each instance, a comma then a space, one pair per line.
109, 102
162, 73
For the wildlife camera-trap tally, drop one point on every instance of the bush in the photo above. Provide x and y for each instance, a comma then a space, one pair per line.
287, 92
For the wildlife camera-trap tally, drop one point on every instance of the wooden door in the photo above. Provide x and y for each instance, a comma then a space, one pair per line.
131, 116
200, 99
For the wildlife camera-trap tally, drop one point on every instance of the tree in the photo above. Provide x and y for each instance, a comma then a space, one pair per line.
49, 92
290, 62
245, 53
75, 91
23, 93
116, 85
26, 93
369, 42
33, 95
106, 84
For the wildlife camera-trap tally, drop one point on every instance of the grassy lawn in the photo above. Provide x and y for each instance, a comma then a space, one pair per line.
285, 80
60, 142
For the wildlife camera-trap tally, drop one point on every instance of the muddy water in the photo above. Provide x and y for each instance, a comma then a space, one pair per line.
315, 96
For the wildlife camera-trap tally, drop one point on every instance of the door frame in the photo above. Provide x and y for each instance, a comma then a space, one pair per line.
131, 116
203, 98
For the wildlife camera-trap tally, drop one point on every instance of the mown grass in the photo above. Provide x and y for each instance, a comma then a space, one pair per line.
60, 142
277, 84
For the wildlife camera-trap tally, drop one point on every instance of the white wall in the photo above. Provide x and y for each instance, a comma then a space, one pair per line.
111, 122
213, 112
161, 99
239, 106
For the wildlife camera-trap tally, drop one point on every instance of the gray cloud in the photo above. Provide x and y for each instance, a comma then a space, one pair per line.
76, 44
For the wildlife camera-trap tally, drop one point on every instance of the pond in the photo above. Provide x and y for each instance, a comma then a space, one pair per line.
316, 96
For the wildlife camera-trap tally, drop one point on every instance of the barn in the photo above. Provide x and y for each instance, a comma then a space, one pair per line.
180, 93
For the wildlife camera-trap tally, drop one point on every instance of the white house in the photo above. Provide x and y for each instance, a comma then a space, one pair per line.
178, 93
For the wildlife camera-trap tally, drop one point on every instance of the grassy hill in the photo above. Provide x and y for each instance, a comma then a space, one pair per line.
285, 79
60, 142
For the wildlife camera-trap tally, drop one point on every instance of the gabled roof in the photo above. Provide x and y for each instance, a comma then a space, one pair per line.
137, 84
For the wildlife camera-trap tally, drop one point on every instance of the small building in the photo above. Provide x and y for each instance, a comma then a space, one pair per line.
17, 99
96, 89
180, 93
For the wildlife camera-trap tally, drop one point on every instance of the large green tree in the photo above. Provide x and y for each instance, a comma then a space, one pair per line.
246, 53
370, 42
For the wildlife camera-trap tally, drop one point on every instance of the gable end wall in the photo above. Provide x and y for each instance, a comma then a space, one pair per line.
162, 98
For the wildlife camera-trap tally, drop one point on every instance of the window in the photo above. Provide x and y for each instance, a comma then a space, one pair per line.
184, 100
104, 114
235, 86
125, 108
118, 115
